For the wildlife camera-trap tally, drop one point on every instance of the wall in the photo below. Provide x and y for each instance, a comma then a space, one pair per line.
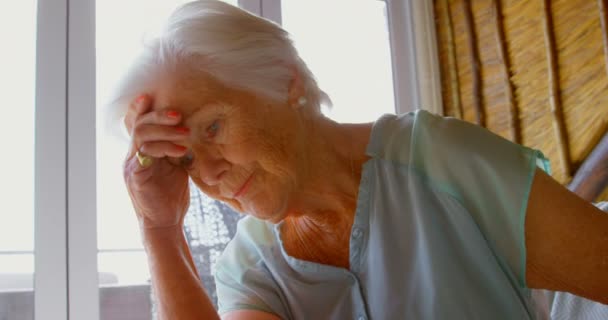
532, 71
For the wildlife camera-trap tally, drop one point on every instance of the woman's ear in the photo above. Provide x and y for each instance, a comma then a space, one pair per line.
296, 96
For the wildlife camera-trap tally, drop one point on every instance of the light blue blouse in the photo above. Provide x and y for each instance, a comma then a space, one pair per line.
438, 234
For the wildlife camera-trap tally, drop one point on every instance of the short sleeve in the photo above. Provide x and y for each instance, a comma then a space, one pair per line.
491, 176
242, 280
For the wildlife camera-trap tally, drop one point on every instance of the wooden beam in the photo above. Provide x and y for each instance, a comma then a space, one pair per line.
592, 177
603, 6
555, 102
503, 56
475, 63
452, 63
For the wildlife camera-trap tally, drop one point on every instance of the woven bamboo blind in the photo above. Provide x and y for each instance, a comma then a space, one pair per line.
532, 71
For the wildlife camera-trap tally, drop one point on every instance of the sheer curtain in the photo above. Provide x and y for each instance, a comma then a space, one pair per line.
209, 226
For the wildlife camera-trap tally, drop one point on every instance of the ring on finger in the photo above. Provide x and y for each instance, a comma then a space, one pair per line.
144, 160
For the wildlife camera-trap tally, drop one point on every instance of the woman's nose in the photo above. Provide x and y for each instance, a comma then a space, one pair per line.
211, 166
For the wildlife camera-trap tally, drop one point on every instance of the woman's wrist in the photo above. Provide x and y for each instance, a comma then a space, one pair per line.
154, 236
148, 223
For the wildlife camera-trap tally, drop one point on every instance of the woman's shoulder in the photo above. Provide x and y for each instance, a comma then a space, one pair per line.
250, 244
393, 135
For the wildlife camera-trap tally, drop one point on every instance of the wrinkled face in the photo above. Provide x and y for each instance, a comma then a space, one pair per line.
243, 149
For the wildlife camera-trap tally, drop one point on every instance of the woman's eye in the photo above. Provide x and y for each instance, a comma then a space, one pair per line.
213, 129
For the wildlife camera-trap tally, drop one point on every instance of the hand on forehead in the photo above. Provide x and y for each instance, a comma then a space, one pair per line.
188, 94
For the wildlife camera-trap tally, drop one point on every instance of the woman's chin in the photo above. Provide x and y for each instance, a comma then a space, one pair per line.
266, 211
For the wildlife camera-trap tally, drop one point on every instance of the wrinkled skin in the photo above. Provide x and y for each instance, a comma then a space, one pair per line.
267, 159
232, 137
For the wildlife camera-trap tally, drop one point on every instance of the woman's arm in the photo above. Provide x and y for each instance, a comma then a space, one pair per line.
178, 290
566, 241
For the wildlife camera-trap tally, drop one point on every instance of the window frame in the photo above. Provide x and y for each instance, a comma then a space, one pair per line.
83, 283
66, 281
416, 76
50, 186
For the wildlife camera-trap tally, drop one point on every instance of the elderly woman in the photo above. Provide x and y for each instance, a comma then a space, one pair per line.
413, 216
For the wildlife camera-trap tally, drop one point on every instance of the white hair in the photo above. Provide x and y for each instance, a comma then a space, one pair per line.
237, 48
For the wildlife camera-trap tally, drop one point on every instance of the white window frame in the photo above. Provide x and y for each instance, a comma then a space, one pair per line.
269, 9
426, 55
83, 283
66, 283
50, 190
416, 74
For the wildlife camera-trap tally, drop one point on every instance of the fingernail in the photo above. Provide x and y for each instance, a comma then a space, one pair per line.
140, 99
181, 148
172, 114
182, 129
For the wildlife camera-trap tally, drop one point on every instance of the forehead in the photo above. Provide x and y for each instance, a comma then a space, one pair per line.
187, 92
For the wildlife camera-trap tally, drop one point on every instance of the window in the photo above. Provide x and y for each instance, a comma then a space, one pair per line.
18, 31
51, 49
351, 59
124, 278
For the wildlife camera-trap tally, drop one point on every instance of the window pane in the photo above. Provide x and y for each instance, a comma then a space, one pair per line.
123, 271
17, 80
347, 48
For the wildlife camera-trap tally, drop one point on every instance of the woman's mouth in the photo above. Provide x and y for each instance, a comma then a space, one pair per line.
244, 187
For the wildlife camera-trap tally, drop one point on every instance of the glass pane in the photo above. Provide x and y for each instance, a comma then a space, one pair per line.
123, 270
348, 49
17, 80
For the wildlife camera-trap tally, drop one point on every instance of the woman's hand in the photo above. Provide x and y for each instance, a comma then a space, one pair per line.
159, 192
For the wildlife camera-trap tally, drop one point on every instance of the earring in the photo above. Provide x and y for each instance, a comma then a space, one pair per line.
302, 101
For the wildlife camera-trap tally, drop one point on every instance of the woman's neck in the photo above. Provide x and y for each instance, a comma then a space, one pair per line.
322, 239
318, 227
